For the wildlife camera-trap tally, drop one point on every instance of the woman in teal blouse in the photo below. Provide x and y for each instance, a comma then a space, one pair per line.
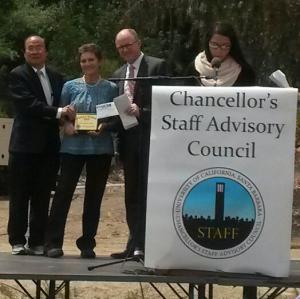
92, 149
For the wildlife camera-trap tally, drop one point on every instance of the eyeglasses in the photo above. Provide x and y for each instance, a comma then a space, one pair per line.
126, 46
216, 46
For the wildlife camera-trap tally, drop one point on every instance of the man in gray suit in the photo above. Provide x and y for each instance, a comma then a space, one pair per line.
134, 142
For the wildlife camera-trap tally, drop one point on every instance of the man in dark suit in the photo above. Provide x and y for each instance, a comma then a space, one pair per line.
34, 146
134, 142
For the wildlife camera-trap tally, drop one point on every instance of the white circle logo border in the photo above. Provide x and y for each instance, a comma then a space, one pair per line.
221, 172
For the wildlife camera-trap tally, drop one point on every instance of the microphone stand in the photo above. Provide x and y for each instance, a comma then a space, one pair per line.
198, 79
216, 63
127, 259
216, 76
160, 78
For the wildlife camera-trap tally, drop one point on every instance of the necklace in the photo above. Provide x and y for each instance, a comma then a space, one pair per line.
91, 83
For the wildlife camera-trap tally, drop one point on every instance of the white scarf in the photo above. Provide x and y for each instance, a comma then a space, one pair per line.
227, 74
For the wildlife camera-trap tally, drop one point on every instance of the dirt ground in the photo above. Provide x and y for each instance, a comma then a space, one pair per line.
112, 236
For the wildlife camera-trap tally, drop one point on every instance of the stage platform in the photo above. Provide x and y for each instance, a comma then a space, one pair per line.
71, 268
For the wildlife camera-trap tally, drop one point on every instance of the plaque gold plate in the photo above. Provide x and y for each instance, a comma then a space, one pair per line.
86, 122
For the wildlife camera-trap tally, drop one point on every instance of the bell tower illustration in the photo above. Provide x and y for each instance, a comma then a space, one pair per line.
219, 208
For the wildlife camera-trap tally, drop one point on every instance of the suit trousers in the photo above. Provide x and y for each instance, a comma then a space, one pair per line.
31, 178
135, 159
97, 170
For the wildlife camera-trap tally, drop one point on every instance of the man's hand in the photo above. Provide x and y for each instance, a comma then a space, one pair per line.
68, 112
134, 110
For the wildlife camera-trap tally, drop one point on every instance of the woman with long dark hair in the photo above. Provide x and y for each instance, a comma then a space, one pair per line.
222, 61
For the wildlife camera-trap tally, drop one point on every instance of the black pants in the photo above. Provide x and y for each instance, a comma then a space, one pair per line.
31, 178
97, 169
135, 158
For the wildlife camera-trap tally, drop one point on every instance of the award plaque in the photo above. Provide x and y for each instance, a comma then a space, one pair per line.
86, 122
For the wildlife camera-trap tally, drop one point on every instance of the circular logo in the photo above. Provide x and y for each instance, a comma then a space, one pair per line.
218, 213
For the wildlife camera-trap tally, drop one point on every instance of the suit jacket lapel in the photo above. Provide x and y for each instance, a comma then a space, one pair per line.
143, 72
53, 83
143, 69
36, 83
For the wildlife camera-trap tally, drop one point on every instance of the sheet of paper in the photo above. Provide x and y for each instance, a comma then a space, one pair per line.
279, 78
122, 104
106, 110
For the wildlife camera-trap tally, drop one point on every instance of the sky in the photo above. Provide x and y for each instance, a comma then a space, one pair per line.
201, 199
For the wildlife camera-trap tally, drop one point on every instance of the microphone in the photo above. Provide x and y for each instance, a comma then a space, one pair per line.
216, 63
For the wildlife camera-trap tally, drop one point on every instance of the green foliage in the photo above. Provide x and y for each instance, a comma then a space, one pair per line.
267, 30
298, 129
173, 29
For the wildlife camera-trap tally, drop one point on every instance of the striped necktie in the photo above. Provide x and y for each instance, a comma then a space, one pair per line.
46, 87
131, 83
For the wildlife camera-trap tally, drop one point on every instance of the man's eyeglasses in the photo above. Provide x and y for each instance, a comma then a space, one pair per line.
126, 46
216, 46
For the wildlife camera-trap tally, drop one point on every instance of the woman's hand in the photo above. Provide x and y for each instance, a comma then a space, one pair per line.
69, 129
99, 130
